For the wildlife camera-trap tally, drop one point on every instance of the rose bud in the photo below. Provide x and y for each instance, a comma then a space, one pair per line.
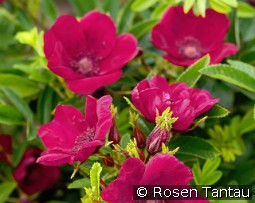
161, 133
108, 161
139, 136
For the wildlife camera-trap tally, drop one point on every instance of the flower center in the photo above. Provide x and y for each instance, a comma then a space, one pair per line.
84, 137
85, 66
190, 48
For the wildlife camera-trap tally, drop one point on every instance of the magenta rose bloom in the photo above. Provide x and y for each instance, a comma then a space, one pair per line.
71, 136
186, 37
87, 53
5, 148
32, 177
162, 169
186, 103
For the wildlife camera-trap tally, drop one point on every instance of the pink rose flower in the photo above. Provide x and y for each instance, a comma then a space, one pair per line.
87, 53
186, 37
32, 177
71, 136
186, 103
5, 148
162, 169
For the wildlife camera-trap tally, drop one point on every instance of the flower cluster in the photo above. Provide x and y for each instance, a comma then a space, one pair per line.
89, 55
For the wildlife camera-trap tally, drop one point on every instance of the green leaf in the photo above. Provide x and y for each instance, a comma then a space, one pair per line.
124, 140
219, 6
194, 146
245, 10
141, 5
82, 7
209, 174
20, 85
33, 7
6, 189
233, 75
95, 179
49, 7
211, 165
141, 28
111, 7
158, 12
45, 105
125, 17
247, 123
191, 75
188, 4
31, 131
245, 67
212, 178
19, 103
217, 112
10, 116
232, 3
81, 183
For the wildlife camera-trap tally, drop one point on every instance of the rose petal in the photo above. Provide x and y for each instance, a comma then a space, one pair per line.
121, 189
66, 30
100, 33
89, 85
164, 169
124, 51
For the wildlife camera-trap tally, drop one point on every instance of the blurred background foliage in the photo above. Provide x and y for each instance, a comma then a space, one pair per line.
29, 92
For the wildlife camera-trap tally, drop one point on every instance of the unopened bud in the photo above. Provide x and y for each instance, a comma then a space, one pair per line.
140, 137
114, 134
141, 154
108, 161
156, 138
